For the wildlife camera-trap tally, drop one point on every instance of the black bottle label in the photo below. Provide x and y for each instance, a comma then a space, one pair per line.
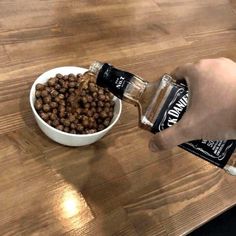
113, 79
216, 152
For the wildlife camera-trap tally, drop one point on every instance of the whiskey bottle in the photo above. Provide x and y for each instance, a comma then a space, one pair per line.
161, 104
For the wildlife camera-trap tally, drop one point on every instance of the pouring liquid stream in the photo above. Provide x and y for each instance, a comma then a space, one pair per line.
83, 84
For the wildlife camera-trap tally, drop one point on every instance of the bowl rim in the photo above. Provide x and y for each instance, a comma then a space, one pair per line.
31, 96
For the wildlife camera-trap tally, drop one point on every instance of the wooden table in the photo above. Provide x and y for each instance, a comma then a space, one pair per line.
115, 186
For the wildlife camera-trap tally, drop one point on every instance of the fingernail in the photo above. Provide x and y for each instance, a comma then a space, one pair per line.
153, 147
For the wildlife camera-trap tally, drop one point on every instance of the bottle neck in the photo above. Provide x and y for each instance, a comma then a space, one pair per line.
134, 90
122, 84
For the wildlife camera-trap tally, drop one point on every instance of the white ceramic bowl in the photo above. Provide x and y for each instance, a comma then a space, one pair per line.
63, 137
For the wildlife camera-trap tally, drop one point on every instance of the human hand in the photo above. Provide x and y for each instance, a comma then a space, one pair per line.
211, 112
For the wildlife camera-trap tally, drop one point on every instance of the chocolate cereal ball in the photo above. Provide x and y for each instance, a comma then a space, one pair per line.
74, 107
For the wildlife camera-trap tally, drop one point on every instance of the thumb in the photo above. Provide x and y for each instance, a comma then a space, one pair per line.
170, 137
180, 132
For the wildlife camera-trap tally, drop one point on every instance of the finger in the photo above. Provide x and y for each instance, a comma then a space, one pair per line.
169, 138
183, 72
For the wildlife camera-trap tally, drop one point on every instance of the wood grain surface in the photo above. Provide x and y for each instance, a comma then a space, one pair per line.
115, 186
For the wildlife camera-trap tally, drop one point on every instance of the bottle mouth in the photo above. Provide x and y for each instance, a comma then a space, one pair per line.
95, 67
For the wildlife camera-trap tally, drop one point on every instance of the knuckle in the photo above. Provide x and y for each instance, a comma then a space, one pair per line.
202, 63
224, 59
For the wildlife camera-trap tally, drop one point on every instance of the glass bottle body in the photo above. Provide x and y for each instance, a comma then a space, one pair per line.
161, 104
